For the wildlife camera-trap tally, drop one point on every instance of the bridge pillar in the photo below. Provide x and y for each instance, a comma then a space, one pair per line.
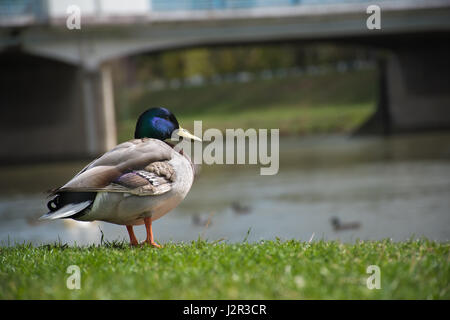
98, 109
413, 91
53, 110
418, 89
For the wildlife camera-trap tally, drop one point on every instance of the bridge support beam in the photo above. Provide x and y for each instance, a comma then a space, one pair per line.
53, 110
418, 89
98, 109
414, 91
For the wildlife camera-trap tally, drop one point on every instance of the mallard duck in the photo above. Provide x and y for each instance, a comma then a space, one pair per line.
239, 208
339, 226
135, 183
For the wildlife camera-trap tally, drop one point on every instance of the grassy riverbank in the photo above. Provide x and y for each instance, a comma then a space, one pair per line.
203, 270
329, 103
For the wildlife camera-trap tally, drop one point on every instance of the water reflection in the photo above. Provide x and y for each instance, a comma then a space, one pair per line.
395, 187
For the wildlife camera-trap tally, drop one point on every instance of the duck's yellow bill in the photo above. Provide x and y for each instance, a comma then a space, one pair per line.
186, 134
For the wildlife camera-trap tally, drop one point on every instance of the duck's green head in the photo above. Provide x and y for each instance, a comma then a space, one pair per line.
160, 123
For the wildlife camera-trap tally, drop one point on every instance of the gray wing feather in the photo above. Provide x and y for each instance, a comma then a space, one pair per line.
139, 154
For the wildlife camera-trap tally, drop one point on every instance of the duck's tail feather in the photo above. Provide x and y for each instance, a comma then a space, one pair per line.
68, 205
67, 211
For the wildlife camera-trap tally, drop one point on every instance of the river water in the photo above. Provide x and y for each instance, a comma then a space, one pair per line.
375, 188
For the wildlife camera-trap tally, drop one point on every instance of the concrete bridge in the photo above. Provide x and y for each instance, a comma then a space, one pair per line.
57, 95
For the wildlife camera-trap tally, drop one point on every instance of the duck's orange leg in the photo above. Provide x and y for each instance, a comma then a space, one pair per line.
133, 240
150, 240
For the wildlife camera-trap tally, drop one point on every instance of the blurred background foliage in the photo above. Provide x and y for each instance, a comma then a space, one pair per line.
300, 89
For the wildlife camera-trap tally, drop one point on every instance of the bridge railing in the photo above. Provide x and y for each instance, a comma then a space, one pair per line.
184, 5
27, 12
22, 11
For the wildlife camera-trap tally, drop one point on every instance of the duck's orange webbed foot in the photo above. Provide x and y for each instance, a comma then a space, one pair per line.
133, 240
153, 244
150, 240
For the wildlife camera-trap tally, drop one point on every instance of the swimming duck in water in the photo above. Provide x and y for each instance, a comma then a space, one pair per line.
339, 226
135, 183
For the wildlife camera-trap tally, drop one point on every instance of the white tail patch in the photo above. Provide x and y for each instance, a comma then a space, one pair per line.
66, 211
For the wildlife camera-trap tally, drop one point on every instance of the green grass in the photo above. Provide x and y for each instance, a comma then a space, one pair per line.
329, 103
416, 269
